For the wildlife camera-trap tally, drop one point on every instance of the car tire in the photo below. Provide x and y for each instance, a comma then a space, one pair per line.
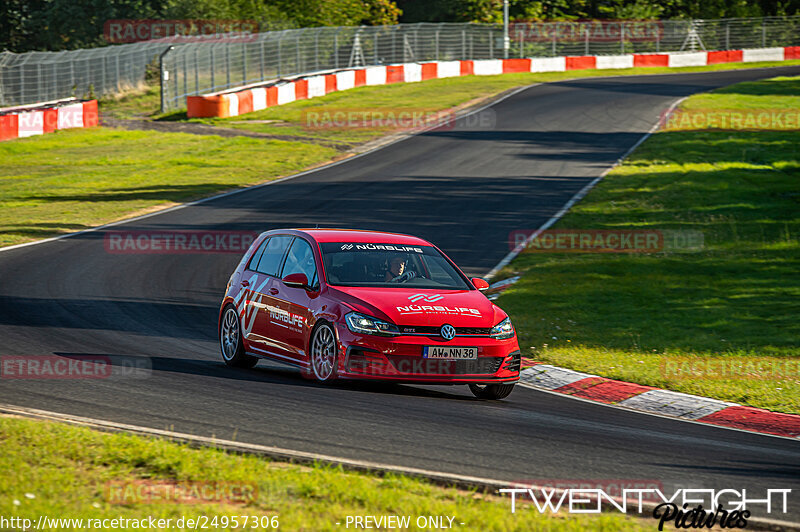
491, 391
230, 340
322, 353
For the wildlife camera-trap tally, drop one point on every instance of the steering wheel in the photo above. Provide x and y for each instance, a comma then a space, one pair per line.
404, 277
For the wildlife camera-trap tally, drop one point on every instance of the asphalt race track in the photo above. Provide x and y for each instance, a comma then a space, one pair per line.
464, 188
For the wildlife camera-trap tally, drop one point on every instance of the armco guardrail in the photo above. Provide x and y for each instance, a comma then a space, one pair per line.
224, 61
248, 99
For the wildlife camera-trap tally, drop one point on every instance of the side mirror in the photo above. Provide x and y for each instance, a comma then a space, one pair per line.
296, 280
480, 284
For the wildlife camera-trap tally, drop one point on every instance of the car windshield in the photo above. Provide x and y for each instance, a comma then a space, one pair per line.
389, 265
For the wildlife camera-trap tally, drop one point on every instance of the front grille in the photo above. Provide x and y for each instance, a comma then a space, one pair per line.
434, 331
514, 363
479, 366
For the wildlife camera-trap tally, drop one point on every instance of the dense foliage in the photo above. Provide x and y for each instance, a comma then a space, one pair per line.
491, 10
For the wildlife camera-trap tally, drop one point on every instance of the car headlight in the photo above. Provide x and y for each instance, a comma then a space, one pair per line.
502, 330
361, 324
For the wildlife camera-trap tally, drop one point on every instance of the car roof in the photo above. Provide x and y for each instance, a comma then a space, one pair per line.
359, 236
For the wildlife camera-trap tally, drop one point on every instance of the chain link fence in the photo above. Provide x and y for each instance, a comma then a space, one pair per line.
45, 76
213, 65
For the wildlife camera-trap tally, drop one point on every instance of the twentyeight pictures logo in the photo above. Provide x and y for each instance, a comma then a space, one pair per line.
683, 508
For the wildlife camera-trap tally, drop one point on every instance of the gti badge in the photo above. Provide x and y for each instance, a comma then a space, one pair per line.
448, 332
430, 299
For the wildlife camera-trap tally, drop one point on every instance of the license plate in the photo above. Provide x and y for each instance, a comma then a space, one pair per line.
450, 353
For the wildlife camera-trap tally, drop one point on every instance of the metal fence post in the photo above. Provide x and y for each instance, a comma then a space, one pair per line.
164, 77
728, 35
316, 49
244, 64
375, 47
763, 33
471, 46
436, 40
586, 48
463, 44
622, 37
555, 34
196, 72
336, 48
227, 66
297, 67
658, 41
280, 58
213, 68
262, 60
394, 46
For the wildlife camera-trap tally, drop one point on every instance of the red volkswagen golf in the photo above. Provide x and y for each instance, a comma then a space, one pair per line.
366, 305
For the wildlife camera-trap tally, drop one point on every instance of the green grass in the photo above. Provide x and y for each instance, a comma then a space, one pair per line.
63, 471
76, 179
133, 104
622, 315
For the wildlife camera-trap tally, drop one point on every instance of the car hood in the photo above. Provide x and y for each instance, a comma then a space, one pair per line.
415, 307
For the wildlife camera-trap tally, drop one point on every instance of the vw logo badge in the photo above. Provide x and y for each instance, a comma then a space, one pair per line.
448, 332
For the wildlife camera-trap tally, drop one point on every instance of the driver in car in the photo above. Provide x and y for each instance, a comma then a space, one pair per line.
397, 271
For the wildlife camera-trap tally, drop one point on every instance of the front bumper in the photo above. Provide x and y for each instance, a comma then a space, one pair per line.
400, 359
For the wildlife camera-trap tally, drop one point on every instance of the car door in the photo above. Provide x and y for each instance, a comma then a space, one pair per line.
295, 304
270, 338
250, 302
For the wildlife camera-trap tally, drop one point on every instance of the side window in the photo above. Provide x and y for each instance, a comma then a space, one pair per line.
257, 256
300, 260
273, 254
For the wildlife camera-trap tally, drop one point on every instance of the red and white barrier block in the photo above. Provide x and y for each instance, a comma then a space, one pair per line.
658, 401
40, 119
248, 99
